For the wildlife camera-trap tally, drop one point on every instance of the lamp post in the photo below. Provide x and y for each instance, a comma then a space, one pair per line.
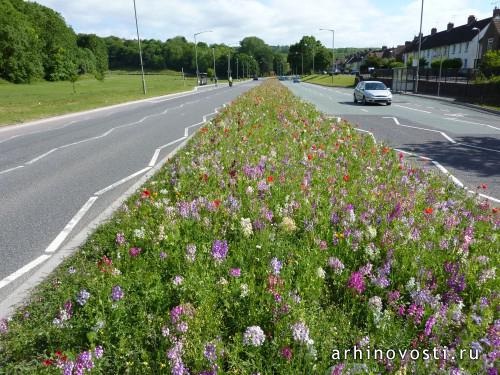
140, 51
314, 52
228, 65
237, 69
196, 54
419, 45
333, 51
215, 75
476, 61
440, 69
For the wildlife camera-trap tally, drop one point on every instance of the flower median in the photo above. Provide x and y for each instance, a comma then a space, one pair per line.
274, 240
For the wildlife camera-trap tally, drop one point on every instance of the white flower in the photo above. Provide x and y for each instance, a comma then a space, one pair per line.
249, 190
321, 273
372, 232
139, 233
246, 226
288, 224
244, 290
410, 285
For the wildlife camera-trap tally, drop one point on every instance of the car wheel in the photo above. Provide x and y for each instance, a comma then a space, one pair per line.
363, 101
388, 103
355, 99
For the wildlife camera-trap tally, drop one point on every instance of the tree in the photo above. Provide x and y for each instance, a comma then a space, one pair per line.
20, 60
490, 64
97, 46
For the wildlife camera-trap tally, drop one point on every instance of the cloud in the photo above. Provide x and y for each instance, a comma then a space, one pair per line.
278, 22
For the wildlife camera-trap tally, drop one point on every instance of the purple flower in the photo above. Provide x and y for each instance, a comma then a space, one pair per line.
336, 264
235, 272
120, 238
210, 352
82, 297
286, 353
85, 360
219, 250
338, 369
4, 326
98, 351
254, 336
178, 280
300, 333
429, 324
117, 293
356, 282
276, 265
163, 255
176, 313
134, 251
182, 327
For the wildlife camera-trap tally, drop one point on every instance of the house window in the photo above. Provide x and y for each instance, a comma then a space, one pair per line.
489, 47
466, 47
453, 49
460, 48
465, 64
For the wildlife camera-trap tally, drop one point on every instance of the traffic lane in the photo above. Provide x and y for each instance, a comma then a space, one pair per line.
472, 166
81, 171
23, 148
439, 115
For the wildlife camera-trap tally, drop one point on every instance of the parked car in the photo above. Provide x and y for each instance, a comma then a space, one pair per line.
296, 79
255, 77
372, 92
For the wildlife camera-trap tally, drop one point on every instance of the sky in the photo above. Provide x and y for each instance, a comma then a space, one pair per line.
357, 23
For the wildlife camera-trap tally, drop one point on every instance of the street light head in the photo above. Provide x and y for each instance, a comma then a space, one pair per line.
475, 29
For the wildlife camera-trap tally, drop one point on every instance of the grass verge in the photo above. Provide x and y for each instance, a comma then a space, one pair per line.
340, 80
275, 240
20, 103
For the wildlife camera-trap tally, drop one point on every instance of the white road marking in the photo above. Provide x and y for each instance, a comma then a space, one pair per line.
471, 122
39, 131
13, 276
429, 130
411, 109
122, 181
362, 109
481, 148
154, 158
54, 245
41, 156
11, 169
366, 131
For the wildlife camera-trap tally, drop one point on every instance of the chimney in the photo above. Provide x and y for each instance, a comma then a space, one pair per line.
450, 26
471, 19
496, 12
433, 31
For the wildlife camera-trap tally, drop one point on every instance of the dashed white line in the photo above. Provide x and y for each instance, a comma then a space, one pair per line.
472, 122
11, 169
154, 158
13, 276
425, 129
362, 109
54, 245
411, 109
41, 156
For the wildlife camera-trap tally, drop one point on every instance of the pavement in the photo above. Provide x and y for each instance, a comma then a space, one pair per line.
59, 175
461, 142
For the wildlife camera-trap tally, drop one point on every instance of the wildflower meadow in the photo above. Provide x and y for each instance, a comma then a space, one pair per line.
274, 242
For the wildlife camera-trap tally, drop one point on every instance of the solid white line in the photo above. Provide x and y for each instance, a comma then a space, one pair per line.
395, 120
171, 143
122, 181
6, 281
481, 148
412, 109
362, 109
471, 122
154, 158
42, 156
488, 197
54, 245
11, 169
366, 131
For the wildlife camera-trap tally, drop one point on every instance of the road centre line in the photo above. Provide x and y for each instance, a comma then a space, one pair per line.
471, 122
11, 169
54, 245
41, 156
15, 275
430, 130
412, 109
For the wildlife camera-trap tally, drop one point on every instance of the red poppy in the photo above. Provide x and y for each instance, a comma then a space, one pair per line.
204, 177
270, 179
309, 156
217, 202
145, 194
428, 210
494, 210
47, 362
385, 150
346, 178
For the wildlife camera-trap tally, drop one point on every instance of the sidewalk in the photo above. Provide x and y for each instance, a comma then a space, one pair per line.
453, 101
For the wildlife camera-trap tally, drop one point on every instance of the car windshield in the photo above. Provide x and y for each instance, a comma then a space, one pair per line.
375, 86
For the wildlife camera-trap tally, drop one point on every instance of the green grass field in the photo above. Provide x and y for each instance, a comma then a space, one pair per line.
341, 80
19, 103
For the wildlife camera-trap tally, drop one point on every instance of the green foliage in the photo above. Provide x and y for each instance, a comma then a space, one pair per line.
304, 50
490, 63
99, 50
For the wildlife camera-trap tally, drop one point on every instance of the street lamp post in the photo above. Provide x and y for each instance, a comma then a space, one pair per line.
215, 75
440, 69
476, 61
237, 69
196, 54
419, 45
333, 49
140, 51
314, 52
228, 65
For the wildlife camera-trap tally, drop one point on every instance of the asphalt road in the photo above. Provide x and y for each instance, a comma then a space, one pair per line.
464, 142
58, 175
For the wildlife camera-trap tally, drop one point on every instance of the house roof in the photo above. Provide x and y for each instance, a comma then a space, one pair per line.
458, 34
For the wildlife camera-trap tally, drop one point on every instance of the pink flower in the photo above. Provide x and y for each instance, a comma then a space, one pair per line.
134, 251
357, 282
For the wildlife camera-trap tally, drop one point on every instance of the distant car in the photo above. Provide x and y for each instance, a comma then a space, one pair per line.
372, 92
255, 78
296, 79
355, 72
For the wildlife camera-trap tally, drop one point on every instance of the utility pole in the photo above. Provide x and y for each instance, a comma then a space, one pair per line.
140, 51
215, 75
333, 49
237, 70
196, 54
419, 45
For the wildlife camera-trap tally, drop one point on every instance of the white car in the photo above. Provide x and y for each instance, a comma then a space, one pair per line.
372, 92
